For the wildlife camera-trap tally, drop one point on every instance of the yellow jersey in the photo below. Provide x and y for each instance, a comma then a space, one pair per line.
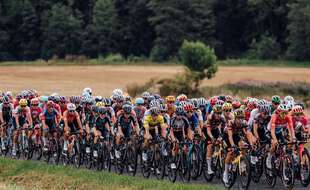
151, 124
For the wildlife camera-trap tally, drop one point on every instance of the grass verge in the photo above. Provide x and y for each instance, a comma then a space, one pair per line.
263, 63
37, 175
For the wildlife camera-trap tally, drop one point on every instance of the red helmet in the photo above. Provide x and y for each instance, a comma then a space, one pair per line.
188, 107
236, 104
35, 101
213, 100
297, 110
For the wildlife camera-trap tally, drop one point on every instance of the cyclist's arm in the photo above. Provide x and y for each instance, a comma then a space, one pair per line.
146, 126
1, 115
65, 117
78, 120
255, 127
273, 127
29, 117
230, 136
290, 128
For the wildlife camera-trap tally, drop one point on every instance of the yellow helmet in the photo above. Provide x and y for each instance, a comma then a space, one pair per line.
170, 99
100, 104
227, 106
23, 102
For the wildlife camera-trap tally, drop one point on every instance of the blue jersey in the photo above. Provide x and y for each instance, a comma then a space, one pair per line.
193, 122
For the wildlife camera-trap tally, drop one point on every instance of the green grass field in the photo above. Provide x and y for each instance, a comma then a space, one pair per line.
36, 175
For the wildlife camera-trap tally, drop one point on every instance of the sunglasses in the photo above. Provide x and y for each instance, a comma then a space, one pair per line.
189, 112
23, 106
227, 111
170, 102
298, 114
35, 104
71, 111
275, 103
218, 112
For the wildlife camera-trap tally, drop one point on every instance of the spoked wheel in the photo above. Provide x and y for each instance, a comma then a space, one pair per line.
195, 163
185, 168
232, 176
132, 160
147, 163
55, 151
173, 167
208, 177
305, 168
270, 174
244, 172
106, 159
120, 160
156, 164
37, 152
287, 173
256, 168
77, 155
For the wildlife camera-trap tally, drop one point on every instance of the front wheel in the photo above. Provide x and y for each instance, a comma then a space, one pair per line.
305, 168
288, 171
244, 172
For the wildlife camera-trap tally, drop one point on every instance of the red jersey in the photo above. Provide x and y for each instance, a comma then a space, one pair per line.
277, 122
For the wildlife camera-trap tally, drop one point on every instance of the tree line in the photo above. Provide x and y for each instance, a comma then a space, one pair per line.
41, 29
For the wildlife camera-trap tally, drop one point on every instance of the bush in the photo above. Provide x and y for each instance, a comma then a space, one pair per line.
266, 48
114, 58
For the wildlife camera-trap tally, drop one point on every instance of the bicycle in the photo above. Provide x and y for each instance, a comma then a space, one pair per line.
35, 143
240, 167
257, 157
282, 164
53, 148
302, 163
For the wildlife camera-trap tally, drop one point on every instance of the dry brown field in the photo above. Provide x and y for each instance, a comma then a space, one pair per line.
69, 80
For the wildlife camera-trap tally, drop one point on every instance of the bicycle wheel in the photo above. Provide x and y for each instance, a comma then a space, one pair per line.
270, 173
185, 168
156, 164
208, 177
131, 160
287, 173
256, 168
77, 154
195, 171
305, 168
121, 160
232, 176
172, 168
106, 158
147, 163
244, 171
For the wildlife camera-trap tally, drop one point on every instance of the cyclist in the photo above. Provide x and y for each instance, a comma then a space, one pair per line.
260, 124
300, 123
22, 118
170, 100
280, 122
50, 121
215, 124
6, 109
237, 135
275, 102
73, 124
140, 110
193, 121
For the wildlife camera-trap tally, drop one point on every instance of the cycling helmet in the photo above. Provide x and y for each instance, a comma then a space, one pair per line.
181, 97
98, 98
219, 102
63, 99
252, 103
170, 99
139, 101
282, 108
23, 102
5, 100
239, 113
154, 111
217, 108
297, 110
202, 101
71, 107
117, 92
264, 108
44, 98
9, 94
154, 103
221, 97
100, 104
229, 99
94, 108
213, 100
236, 104
127, 108
276, 99
227, 106
102, 110
188, 107
145, 95
35, 101
179, 110
300, 104
50, 104
88, 91
57, 98
195, 103
86, 95
118, 98
288, 99
75, 99
107, 101
183, 103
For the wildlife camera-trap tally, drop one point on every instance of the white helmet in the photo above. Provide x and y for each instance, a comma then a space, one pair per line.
71, 107
88, 90
288, 99
9, 93
54, 94
118, 92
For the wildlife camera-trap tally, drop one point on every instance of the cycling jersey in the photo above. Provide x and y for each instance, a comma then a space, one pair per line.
279, 123
100, 125
179, 124
302, 120
50, 118
35, 114
262, 124
214, 122
171, 110
193, 122
253, 113
6, 111
151, 124
126, 124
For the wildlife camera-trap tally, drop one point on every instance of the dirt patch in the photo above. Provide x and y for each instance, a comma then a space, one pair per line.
69, 80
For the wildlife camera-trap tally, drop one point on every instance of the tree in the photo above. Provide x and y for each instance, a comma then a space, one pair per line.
199, 59
62, 34
105, 26
299, 31
175, 21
